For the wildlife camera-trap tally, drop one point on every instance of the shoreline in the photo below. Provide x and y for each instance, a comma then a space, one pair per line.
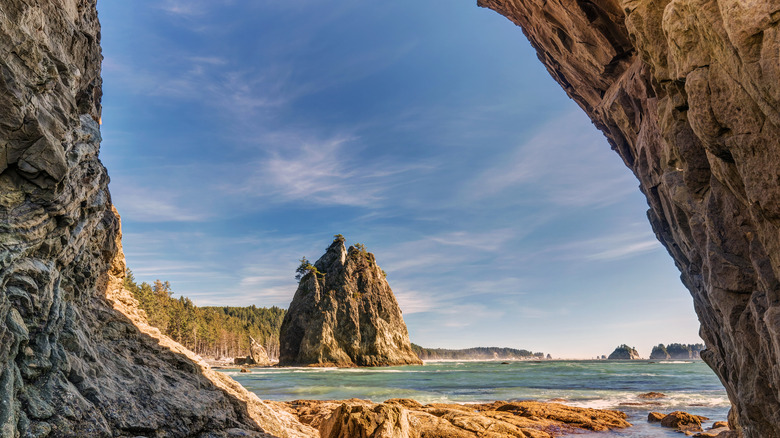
433, 385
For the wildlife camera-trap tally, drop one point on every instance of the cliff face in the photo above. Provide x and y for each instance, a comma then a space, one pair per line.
76, 356
687, 92
345, 314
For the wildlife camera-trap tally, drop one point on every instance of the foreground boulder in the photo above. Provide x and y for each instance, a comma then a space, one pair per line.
344, 314
77, 358
687, 92
405, 418
683, 421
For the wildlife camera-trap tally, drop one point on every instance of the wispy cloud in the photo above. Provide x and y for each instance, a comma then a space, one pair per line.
609, 247
413, 301
322, 173
561, 164
481, 241
178, 7
144, 204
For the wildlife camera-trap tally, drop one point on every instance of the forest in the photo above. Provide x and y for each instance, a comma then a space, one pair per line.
211, 332
473, 353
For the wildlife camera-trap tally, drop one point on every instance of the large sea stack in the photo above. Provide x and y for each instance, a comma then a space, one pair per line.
688, 93
344, 314
77, 358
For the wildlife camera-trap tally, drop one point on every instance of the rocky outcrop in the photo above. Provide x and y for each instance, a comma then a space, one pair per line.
687, 92
76, 356
344, 314
404, 418
624, 352
258, 355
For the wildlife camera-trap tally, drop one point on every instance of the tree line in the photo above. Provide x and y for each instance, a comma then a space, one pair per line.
677, 351
217, 332
473, 353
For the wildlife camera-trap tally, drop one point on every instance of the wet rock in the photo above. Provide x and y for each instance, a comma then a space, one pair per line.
683, 421
655, 417
407, 418
687, 93
344, 314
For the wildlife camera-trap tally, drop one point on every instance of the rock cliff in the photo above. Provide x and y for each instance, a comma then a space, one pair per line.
687, 92
76, 356
344, 314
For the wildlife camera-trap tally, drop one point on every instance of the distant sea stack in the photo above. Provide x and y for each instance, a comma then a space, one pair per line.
344, 314
677, 351
624, 352
659, 352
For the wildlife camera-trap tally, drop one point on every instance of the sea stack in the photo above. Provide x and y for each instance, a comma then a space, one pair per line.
659, 352
624, 352
344, 314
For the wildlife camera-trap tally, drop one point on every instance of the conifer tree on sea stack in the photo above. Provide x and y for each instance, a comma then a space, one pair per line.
344, 314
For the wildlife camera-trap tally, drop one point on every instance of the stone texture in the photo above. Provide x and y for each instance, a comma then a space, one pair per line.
404, 418
77, 358
687, 93
345, 315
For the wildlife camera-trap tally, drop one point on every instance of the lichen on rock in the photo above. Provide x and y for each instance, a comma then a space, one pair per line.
344, 314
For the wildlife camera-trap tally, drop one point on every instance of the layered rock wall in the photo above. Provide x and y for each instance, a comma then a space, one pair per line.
688, 93
76, 356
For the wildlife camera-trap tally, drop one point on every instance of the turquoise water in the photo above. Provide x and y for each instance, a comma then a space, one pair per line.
690, 386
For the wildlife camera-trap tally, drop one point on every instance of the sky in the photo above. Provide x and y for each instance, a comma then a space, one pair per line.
241, 136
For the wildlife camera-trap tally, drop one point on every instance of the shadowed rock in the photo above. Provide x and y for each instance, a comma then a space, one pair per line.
687, 92
345, 314
77, 358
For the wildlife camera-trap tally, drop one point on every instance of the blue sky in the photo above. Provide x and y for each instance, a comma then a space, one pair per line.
240, 136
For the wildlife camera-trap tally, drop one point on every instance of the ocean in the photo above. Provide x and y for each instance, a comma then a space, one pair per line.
689, 386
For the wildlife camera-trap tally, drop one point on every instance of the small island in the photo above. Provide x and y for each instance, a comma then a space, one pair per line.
624, 352
677, 351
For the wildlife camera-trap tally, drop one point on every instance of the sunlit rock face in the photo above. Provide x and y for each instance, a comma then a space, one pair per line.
345, 315
687, 92
77, 358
